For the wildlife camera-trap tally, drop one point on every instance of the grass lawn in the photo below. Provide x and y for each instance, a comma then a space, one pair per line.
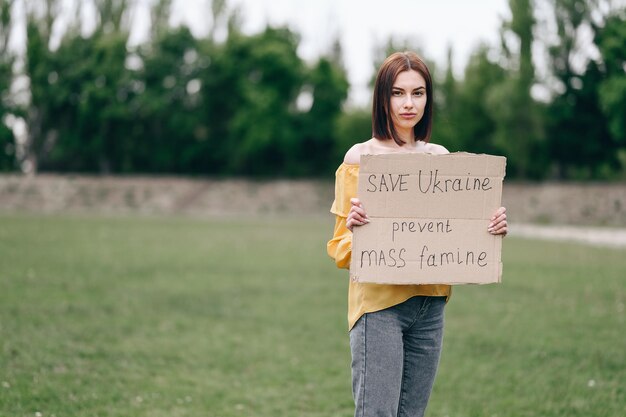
182, 317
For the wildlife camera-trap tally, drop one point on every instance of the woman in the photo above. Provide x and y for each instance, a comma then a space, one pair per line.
395, 330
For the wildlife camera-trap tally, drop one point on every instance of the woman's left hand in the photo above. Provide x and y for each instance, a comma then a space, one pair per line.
498, 225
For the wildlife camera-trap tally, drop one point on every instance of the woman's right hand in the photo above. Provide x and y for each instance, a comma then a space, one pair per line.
356, 215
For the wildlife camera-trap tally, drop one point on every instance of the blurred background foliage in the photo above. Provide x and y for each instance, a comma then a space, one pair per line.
248, 105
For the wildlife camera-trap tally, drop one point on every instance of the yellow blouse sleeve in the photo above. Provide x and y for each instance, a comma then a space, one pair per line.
340, 246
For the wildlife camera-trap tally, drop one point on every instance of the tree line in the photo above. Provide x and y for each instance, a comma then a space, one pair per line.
248, 105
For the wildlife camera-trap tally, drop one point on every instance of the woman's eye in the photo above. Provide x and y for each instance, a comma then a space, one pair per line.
418, 93
397, 93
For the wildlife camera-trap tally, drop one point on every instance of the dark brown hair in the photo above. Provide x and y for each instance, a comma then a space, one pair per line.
382, 124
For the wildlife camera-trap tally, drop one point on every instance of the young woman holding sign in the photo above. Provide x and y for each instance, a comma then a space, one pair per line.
395, 330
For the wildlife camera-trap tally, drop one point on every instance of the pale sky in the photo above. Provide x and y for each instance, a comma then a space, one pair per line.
363, 24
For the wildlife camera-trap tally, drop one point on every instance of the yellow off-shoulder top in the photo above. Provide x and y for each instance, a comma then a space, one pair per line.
365, 297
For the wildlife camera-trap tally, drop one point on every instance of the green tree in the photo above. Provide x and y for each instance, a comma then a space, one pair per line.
518, 123
40, 18
446, 128
222, 91
318, 130
77, 118
7, 141
249, 91
584, 137
159, 15
88, 89
476, 121
353, 125
580, 143
611, 41
171, 135
70, 70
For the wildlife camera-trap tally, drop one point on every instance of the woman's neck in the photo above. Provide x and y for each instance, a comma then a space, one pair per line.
390, 145
407, 137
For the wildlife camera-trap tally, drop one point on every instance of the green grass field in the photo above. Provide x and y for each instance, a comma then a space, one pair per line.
182, 317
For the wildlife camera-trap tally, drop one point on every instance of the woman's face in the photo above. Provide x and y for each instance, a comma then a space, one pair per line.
408, 101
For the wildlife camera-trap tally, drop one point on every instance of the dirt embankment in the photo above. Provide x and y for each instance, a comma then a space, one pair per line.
162, 195
548, 203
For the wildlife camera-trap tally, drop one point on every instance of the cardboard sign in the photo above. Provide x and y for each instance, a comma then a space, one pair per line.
428, 219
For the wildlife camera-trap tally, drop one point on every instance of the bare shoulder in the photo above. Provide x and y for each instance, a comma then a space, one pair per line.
435, 149
353, 156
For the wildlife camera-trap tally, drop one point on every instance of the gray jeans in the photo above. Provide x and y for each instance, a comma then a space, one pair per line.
395, 354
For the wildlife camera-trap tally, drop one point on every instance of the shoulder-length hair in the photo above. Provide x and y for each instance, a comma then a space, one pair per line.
382, 124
